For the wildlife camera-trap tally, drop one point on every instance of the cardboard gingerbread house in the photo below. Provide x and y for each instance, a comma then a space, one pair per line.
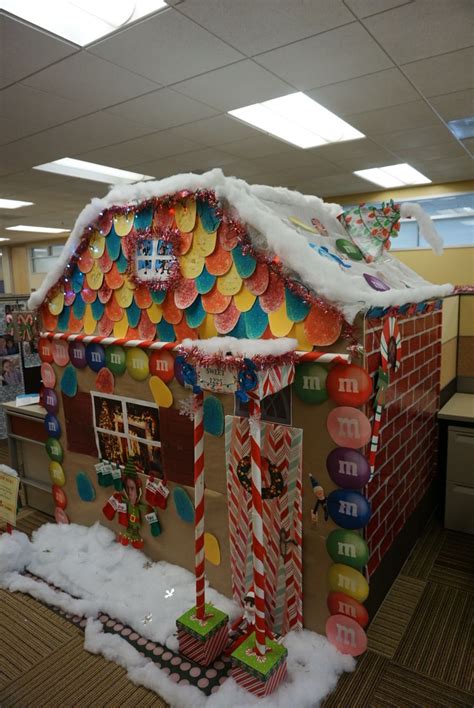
243, 381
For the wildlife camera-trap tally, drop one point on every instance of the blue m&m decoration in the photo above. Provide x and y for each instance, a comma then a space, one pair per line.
95, 356
53, 428
348, 509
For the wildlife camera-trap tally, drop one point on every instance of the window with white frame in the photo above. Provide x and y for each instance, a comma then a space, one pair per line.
154, 259
43, 258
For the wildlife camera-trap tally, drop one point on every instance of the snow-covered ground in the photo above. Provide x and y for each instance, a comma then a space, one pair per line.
96, 574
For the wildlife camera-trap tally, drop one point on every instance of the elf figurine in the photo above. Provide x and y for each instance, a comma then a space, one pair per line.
131, 509
321, 500
244, 625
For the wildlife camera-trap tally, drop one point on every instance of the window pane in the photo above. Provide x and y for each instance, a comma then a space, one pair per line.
454, 232
43, 265
407, 236
56, 250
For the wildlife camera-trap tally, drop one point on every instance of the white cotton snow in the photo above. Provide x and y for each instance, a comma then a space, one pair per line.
266, 211
241, 347
103, 576
8, 470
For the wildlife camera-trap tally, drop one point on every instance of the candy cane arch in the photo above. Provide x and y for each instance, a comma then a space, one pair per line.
199, 559
257, 523
321, 357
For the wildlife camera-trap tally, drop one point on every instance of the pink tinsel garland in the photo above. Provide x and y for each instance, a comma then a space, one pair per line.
197, 357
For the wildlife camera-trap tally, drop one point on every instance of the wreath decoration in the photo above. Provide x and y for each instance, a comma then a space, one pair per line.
277, 485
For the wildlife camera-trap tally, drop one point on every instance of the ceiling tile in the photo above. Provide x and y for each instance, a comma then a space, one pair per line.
162, 109
166, 48
235, 86
33, 111
385, 120
344, 183
430, 135
441, 151
86, 133
215, 131
443, 74
449, 169
87, 78
148, 147
364, 8
352, 149
194, 161
24, 49
469, 143
366, 93
259, 145
337, 55
451, 106
255, 27
424, 28
296, 159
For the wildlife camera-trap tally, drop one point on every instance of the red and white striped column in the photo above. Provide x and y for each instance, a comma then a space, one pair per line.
257, 523
199, 558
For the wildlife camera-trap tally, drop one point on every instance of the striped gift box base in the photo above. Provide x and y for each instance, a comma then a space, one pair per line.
259, 677
203, 643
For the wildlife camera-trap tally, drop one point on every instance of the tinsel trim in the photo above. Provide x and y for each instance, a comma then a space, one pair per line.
197, 357
133, 240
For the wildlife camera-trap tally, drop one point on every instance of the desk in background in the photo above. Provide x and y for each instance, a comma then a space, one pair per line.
26, 440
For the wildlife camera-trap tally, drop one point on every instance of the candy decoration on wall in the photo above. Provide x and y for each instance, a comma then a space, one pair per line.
85, 488
346, 635
310, 383
348, 468
59, 496
342, 578
348, 509
162, 394
348, 427
104, 381
349, 385
213, 416
347, 547
69, 381
341, 604
212, 549
183, 505
321, 501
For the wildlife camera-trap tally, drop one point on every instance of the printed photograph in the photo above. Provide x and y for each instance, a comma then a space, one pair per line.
148, 457
143, 422
8, 345
112, 448
108, 414
10, 371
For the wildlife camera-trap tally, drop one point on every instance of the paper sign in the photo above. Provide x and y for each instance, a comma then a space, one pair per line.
9, 487
213, 378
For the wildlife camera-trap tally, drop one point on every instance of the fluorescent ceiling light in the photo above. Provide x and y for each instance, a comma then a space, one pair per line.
36, 229
82, 21
89, 170
4, 239
13, 204
462, 128
393, 175
298, 120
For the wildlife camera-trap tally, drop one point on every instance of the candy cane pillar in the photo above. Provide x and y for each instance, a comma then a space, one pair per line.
199, 562
257, 523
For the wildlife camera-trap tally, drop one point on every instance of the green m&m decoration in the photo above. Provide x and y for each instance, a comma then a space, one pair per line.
347, 547
349, 249
54, 450
115, 359
310, 383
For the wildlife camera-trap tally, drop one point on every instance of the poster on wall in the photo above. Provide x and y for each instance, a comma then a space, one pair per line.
26, 331
127, 427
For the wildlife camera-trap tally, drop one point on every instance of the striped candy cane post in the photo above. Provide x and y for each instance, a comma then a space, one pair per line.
199, 561
257, 524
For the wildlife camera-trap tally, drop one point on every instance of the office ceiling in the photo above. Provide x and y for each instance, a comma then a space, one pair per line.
153, 97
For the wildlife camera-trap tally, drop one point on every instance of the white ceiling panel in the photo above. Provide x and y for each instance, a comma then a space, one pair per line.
86, 133
166, 48
366, 93
469, 143
410, 115
32, 110
429, 135
148, 147
364, 8
424, 28
442, 151
235, 86
448, 169
296, 159
443, 74
195, 161
255, 27
24, 49
344, 183
215, 131
259, 145
162, 109
451, 106
351, 150
87, 78
337, 55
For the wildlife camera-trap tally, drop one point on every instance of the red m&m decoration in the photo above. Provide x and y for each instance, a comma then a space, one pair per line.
161, 364
349, 385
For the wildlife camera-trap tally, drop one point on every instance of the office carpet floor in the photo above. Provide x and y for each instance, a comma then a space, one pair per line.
420, 643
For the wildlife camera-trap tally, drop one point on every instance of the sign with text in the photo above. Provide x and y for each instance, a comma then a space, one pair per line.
9, 486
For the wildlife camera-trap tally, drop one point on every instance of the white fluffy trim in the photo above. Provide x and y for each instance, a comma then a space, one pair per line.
410, 210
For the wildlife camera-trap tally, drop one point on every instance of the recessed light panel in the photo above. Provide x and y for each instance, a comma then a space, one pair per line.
462, 128
89, 170
13, 204
298, 120
400, 175
37, 229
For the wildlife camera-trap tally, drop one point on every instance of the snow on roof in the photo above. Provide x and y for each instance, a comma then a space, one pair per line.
278, 222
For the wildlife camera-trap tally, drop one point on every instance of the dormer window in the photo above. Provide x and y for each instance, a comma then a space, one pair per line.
153, 260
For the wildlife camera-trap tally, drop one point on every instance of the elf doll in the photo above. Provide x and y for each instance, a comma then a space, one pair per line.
321, 500
131, 509
244, 625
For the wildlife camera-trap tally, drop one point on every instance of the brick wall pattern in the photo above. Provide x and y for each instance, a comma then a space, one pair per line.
407, 455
